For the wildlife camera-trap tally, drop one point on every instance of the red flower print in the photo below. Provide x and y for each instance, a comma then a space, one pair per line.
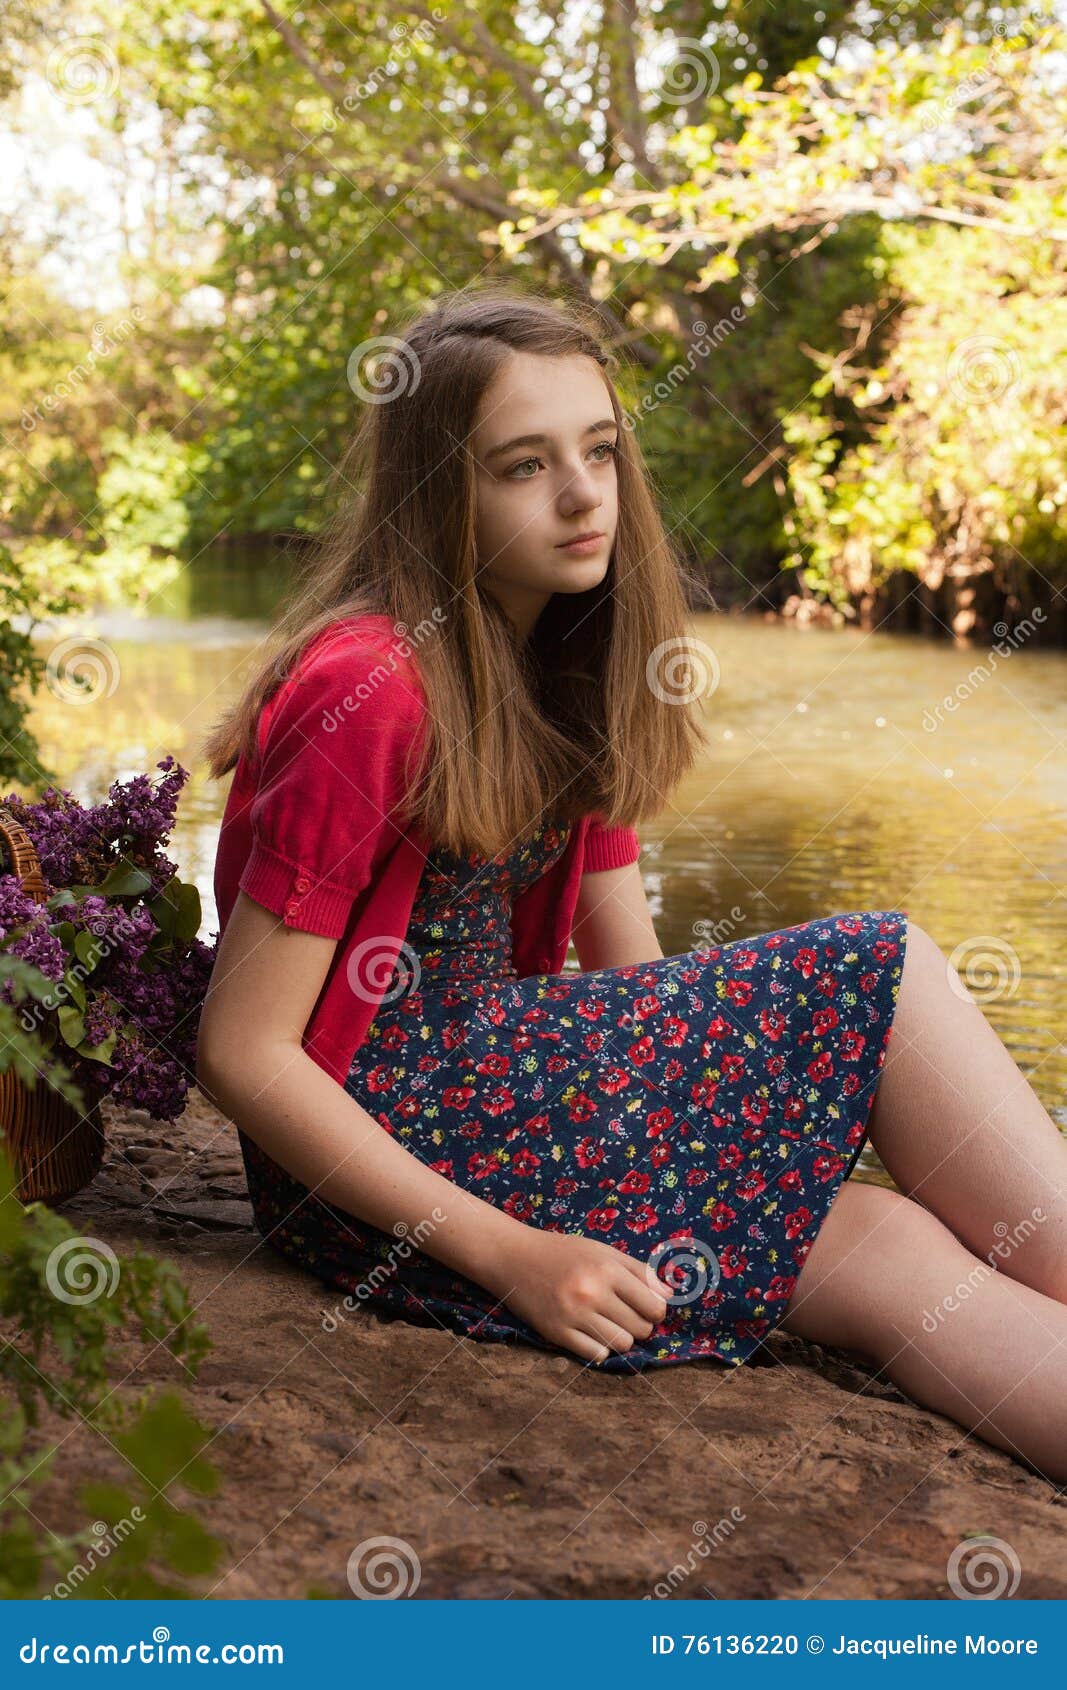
781, 1286
524, 1163
740, 992
790, 1180
481, 1163
796, 1221
456, 1097
642, 1219
805, 962
588, 1153
717, 1029
590, 1008
646, 1006
751, 1328
445, 1168
658, 1122
581, 1107
703, 1092
884, 949
613, 1080
492, 1064
853, 1044
721, 1216
851, 1085
697, 1176
750, 1185
730, 1156
674, 1070
642, 1050
538, 1124
733, 1066
518, 1205
732, 1261
821, 1067
498, 1101
565, 1187
755, 1108
672, 1031
634, 1181
659, 1153
772, 1023
601, 1220
825, 1167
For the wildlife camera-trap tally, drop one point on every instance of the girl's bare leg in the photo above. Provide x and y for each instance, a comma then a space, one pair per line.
961, 1131
887, 1279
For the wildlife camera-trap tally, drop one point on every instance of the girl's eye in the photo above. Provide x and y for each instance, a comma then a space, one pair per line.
609, 446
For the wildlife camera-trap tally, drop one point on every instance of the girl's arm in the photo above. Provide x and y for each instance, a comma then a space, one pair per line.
250, 1063
612, 921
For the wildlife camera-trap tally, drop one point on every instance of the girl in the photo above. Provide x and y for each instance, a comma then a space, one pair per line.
436, 785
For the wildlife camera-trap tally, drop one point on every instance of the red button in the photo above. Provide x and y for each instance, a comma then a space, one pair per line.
302, 884
292, 908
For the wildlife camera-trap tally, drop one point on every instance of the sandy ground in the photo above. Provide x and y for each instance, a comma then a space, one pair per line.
509, 1473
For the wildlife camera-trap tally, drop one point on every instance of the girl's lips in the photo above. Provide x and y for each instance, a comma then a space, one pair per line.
588, 544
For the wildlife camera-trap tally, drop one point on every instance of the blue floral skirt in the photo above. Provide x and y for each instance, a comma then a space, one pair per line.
700, 1111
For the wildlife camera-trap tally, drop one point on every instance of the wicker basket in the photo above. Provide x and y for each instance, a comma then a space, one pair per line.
56, 1150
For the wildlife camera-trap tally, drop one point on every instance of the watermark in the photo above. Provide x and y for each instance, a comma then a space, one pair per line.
681, 670
402, 40
1008, 1241
705, 342
984, 968
384, 368
705, 1539
108, 938
398, 1252
691, 1267
81, 670
714, 933
82, 69
983, 369
983, 1569
1007, 642
382, 969
680, 69
82, 1269
381, 1569
105, 1540
401, 650
102, 342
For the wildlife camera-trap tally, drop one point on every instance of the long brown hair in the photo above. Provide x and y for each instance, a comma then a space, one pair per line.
575, 719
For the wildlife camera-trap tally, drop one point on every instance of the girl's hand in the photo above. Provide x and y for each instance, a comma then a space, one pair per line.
581, 1294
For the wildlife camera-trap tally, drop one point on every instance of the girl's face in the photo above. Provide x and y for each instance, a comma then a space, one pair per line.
536, 494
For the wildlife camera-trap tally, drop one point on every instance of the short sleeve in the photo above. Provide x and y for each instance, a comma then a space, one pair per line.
328, 778
608, 847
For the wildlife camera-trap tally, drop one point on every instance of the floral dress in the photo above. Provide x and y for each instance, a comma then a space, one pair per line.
699, 1111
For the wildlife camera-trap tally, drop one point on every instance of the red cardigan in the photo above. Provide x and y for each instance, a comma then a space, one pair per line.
307, 830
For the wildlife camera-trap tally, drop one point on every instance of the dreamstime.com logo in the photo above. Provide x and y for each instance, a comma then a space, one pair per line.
160, 1651
1009, 1239
705, 1539
983, 1569
105, 1539
681, 670
381, 1569
82, 1269
1007, 642
398, 1252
